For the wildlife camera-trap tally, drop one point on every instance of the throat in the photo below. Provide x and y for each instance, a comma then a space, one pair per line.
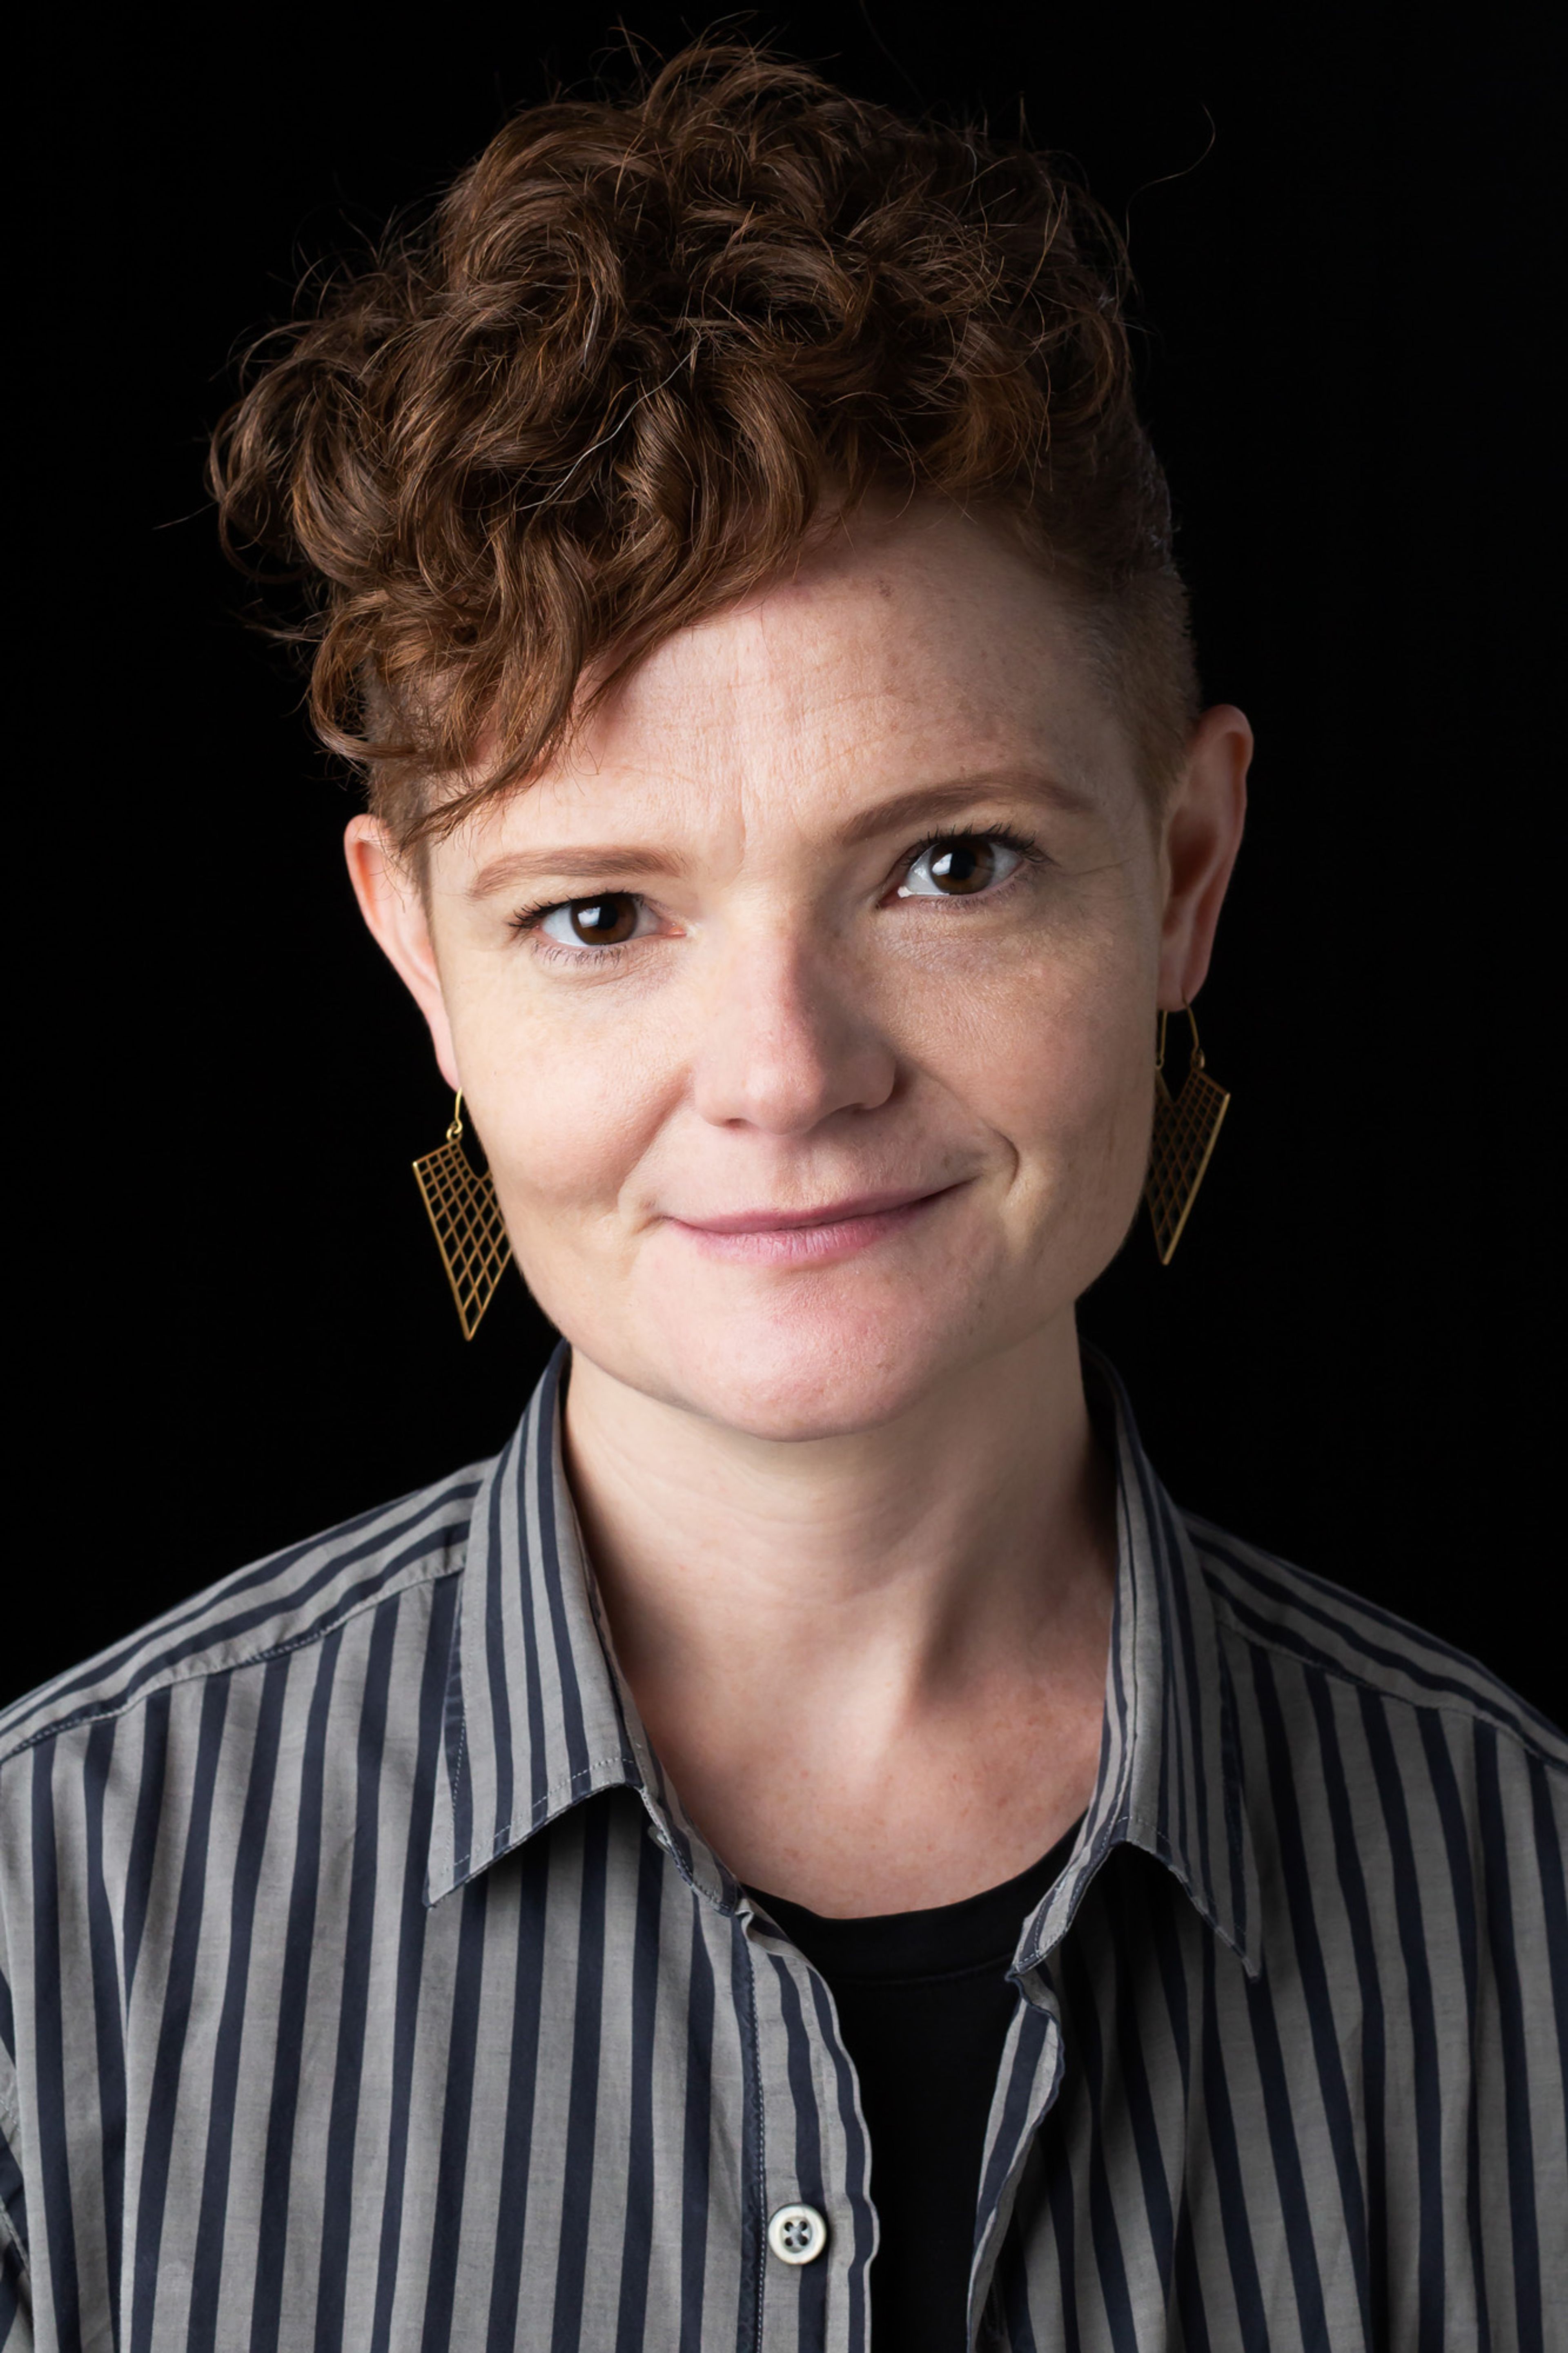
875, 1672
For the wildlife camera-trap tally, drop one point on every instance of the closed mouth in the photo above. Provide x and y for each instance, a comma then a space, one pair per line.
831, 1230
830, 1213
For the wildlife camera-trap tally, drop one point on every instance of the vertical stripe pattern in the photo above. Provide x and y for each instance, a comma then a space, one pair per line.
363, 1983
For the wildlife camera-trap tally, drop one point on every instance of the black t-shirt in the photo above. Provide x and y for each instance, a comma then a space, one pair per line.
924, 2006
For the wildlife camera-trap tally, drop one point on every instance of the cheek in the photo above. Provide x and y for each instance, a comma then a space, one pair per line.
566, 1109
1056, 1059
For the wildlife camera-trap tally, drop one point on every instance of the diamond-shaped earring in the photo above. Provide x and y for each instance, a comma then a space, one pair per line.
1185, 1127
466, 1219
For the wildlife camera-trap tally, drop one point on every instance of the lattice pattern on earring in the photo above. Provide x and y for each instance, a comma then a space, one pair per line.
466, 1219
1183, 1142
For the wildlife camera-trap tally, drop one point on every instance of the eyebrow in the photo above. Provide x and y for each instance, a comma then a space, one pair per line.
605, 862
928, 804
900, 812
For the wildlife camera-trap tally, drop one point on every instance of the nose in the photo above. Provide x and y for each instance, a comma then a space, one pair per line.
788, 1040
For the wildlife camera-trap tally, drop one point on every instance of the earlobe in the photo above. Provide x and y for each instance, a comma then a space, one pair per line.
395, 915
1203, 834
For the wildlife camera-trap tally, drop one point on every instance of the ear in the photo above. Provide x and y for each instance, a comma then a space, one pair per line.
1202, 835
393, 905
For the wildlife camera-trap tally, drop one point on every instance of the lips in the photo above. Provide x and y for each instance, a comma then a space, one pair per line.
815, 1236
830, 1213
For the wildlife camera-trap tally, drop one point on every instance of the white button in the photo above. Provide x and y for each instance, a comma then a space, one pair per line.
797, 2234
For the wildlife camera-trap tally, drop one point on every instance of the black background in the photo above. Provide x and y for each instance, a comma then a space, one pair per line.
230, 1324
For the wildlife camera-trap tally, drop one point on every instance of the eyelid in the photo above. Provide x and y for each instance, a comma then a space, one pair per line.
579, 955
528, 919
1011, 835
1029, 852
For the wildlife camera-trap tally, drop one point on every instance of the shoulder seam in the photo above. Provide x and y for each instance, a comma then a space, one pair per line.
1229, 1550
1473, 1711
1355, 1620
389, 1532
108, 1714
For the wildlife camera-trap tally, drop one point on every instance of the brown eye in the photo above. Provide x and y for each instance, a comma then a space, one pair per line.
600, 922
959, 868
962, 866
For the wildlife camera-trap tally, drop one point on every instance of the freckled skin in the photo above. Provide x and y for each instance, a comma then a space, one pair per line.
889, 1439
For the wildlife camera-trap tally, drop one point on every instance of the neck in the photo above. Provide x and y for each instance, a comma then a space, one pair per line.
839, 1607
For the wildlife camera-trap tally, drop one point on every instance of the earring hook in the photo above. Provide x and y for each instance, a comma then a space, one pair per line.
1160, 1047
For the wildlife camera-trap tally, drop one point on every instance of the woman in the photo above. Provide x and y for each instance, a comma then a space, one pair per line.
808, 1847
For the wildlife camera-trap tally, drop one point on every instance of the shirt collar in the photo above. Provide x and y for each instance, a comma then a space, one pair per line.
539, 1717
1170, 1777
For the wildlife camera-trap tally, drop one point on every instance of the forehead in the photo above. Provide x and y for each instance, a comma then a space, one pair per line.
909, 652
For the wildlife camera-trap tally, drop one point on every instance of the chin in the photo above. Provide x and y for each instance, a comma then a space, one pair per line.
850, 1349
795, 1379
789, 1409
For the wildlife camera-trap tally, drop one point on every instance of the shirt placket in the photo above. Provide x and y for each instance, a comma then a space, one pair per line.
818, 2226
1028, 2084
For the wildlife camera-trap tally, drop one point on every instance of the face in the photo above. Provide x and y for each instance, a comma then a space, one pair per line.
806, 1010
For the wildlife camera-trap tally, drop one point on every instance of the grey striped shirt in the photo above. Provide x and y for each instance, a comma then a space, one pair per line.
363, 1984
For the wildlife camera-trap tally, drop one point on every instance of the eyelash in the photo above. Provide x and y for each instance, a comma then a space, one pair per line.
1028, 850
527, 920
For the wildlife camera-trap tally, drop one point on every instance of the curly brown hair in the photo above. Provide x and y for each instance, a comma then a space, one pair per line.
608, 386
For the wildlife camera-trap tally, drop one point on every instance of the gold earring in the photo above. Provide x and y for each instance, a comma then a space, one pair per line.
1185, 1127
466, 1219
